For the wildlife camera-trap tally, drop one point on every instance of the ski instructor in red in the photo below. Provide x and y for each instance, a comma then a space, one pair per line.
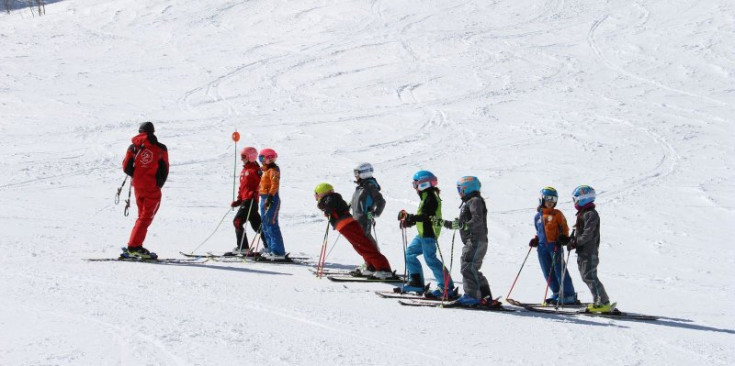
147, 162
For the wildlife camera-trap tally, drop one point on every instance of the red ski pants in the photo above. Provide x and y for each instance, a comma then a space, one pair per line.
353, 232
148, 202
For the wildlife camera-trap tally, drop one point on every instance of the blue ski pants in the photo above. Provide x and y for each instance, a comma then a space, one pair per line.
553, 260
271, 230
427, 247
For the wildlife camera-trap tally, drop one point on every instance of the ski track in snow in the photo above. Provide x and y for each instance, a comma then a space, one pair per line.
610, 64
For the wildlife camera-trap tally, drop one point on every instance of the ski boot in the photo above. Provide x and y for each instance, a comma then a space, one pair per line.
363, 271
468, 301
415, 284
137, 253
601, 308
438, 293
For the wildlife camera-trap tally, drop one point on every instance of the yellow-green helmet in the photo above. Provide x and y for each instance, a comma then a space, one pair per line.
322, 189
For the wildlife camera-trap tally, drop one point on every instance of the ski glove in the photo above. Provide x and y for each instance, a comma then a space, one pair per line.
369, 216
572, 243
453, 224
533, 242
562, 240
402, 215
268, 201
236, 203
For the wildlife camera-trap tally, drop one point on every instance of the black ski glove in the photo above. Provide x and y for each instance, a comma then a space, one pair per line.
269, 200
562, 240
533, 242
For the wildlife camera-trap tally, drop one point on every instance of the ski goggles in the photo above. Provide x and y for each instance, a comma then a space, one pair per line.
423, 184
550, 198
583, 197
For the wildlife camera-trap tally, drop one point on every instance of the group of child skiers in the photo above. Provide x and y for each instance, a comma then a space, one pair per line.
147, 162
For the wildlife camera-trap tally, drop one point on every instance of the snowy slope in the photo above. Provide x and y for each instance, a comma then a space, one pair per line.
633, 98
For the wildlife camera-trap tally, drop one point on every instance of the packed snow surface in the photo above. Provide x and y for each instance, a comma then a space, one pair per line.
634, 98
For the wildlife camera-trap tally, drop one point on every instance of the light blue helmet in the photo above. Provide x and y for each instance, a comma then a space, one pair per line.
583, 195
424, 179
467, 185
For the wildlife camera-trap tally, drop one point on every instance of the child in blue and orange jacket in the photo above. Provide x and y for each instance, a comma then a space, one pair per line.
552, 233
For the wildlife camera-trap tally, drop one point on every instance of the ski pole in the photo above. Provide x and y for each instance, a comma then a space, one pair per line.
451, 255
551, 273
446, 274
119, 190
444, 270
375, 232
405, 244
255, 244
236, 138
247, 218
519, 273
126, 211
339, 235
563, 274
451, 258
322, 252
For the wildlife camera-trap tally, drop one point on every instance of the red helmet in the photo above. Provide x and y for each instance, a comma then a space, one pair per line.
267, 154
249, 153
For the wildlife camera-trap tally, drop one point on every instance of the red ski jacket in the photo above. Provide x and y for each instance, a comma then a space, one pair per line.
147, 162
249, 181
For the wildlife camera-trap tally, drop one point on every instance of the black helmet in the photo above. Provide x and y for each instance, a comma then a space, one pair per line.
146, 127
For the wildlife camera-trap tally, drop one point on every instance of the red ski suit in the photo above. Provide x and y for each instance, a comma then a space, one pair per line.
147, 162
335, 208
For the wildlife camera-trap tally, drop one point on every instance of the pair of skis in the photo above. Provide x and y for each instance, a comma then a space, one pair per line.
250, 257
410, 299
581, 309
126, 256
420, 300
343, 275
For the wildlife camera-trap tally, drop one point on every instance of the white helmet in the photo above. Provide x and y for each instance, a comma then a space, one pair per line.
363, 171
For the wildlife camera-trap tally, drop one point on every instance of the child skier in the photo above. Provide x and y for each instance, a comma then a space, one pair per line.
270, 204
367, 202
146, 161
472, 226
587, 243
335, 208
552, 233
247, 200
425, 182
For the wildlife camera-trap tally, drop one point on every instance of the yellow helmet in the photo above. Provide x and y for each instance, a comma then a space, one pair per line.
322, 189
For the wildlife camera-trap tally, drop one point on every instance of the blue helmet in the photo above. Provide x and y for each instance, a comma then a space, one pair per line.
467, 185
548, 194
424, 179
583, 195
